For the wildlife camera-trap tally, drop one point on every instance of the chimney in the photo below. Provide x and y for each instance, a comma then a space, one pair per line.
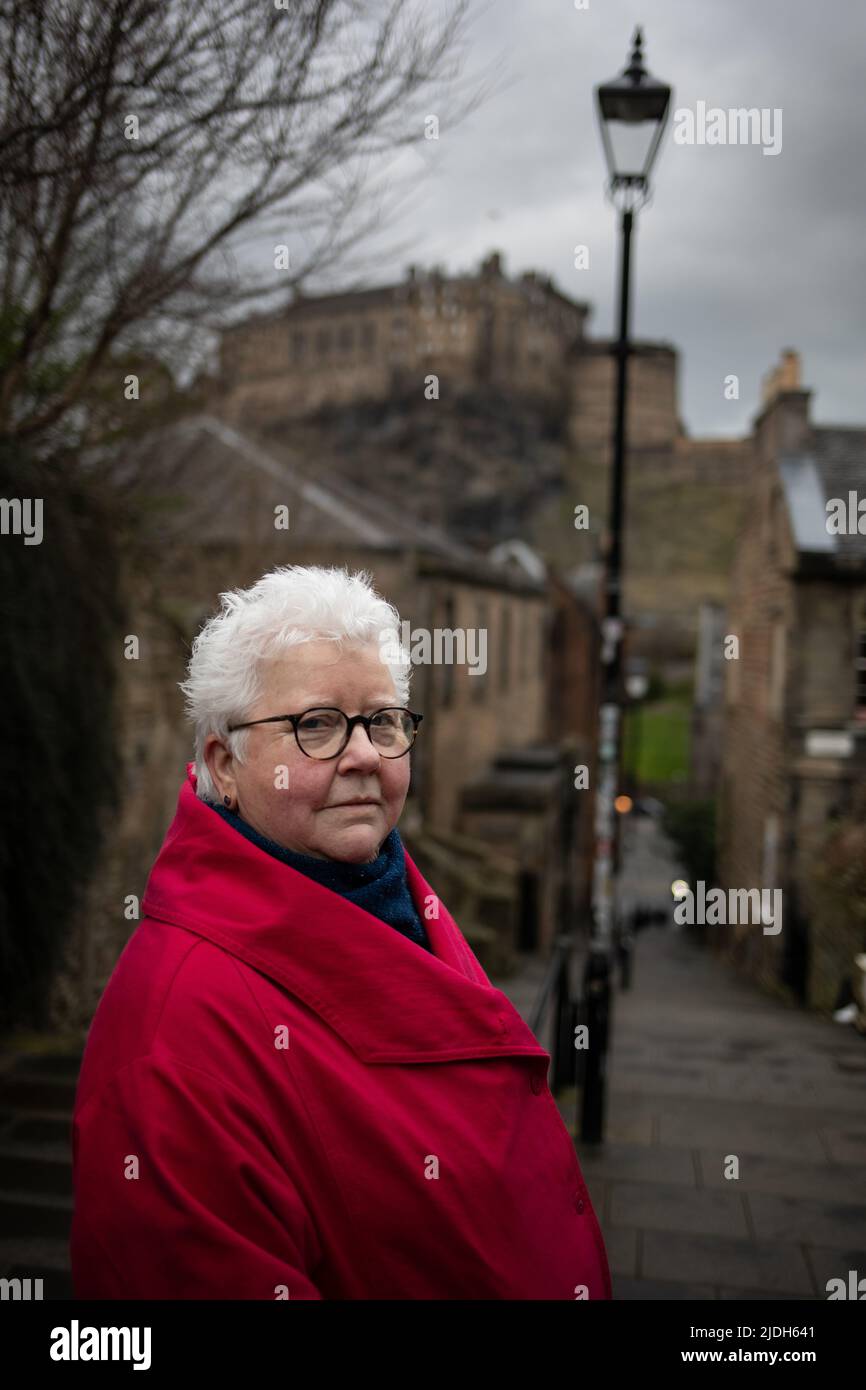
782, 424
493, 264
783, 377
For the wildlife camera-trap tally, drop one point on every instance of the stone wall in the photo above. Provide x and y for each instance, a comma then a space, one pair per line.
468, 719
651, 403
757, 841
795, 674
371, 344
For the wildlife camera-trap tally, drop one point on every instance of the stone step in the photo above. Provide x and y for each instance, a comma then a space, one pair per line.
39, 1129
56, 1283
31, 1168
63, 1066
37, 1092
29, 1251
25, 1213
38, 1258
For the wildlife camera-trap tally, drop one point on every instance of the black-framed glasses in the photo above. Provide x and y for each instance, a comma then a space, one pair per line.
324, 731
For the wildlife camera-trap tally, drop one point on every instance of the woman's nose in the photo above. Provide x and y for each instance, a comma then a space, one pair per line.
359, 749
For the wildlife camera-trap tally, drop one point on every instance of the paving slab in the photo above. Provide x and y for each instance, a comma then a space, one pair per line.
660, 1206
785, 1177
718, 1261
702, 1065
659, 1291
814, 1222
621, 1243
832, 1262
641, 1163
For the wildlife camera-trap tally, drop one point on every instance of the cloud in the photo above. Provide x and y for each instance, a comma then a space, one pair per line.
739, 255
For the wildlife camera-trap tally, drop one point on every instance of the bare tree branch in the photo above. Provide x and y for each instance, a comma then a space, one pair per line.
142, 142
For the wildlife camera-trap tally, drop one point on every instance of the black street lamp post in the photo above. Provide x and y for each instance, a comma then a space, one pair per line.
633, 109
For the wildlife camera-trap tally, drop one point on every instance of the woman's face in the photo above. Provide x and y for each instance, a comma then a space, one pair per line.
314, 813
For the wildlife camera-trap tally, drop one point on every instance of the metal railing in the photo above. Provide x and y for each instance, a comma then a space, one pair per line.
556, 990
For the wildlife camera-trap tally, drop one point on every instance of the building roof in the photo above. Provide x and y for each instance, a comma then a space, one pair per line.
520, 556
205, 482
835, 467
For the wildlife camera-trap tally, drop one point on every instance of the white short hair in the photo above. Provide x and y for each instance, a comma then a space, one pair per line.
286, 607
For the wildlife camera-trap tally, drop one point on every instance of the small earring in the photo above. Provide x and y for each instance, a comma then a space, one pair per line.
227, 800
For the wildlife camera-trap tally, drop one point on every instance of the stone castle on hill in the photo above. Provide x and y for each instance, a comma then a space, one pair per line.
522, 337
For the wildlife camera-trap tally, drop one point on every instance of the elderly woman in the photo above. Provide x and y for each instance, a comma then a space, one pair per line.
299, 1082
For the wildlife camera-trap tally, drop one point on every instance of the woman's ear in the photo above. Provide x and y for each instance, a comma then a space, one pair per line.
220, 765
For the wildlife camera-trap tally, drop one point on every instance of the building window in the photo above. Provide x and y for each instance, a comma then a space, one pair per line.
478, 681
346, 338
545, 626
777, 670
773, 517
447, 685
368, 335
299, 342
769, 862
505, 646
523, 653
731, 667
860, 676
323, 341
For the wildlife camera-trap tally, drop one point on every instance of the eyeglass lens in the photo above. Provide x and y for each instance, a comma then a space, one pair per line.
322, 732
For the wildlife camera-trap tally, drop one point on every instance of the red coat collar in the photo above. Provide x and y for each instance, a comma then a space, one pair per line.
387, 997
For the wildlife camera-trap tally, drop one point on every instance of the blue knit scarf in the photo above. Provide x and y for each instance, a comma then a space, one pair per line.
379, 887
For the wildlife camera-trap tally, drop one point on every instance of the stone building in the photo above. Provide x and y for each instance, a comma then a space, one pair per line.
708, 703
795, 700
372, 344
492, 817
347, 373
652, 420
521, 336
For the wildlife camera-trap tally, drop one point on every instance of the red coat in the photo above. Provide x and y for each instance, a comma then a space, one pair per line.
282, 1096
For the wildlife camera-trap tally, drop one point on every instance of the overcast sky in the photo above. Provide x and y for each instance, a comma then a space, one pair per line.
740, 254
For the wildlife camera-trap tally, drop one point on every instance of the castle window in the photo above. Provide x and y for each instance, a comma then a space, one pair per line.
347, 338
368, 335
323, 341
299, 342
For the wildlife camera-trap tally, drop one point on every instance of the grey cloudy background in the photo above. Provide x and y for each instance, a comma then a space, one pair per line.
739, 254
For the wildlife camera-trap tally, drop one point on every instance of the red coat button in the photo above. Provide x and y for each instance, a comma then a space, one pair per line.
578, 1202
